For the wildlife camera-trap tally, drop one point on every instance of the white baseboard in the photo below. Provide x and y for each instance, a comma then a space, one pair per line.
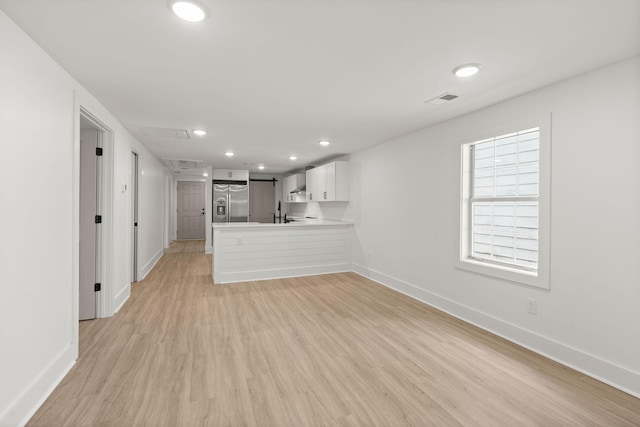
121, 298
595, 367
281, 273
33, 396
149, 265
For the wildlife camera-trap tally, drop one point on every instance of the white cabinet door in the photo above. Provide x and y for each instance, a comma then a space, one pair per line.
289, 184
230, 174
312, 185
340, 184
328, 183
329, 180
292, 186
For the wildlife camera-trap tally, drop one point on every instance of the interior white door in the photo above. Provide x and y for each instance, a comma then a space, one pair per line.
191, 211
88, 205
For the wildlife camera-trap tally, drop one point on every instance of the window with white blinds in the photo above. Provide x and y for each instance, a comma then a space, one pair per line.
503, 189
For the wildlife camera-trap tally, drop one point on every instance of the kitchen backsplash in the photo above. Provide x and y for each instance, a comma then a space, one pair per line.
338, 211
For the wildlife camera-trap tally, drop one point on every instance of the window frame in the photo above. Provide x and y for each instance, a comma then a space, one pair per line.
537, 278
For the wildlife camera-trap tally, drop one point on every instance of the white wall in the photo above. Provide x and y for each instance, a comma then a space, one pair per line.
590, 318
39, 141
151, 205
169, 233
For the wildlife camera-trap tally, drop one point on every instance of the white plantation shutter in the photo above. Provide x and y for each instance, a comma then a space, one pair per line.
504, 203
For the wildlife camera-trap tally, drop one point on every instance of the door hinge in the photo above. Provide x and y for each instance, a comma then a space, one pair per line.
97, 287
98, 219
98, 151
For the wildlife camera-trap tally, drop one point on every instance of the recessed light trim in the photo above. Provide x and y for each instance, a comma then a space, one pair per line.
190, 11
229, 153
324, 142
199, 132
293, 157
466, 70
205, 174
261, 167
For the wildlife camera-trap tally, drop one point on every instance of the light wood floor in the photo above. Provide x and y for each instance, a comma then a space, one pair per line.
333, 350
185, 247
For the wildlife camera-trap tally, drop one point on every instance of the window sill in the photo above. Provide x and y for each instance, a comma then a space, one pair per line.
505, 273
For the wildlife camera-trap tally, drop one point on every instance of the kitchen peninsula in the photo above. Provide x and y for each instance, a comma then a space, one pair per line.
254, 251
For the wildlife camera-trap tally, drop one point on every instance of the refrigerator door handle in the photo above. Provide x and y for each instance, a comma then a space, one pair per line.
238, 203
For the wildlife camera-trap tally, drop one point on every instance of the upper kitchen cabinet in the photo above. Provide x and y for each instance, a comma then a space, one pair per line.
312, 184
328, 183
231, 174
293, 188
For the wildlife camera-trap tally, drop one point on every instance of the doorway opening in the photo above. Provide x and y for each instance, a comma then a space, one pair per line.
134, 215
94, 219
191, 210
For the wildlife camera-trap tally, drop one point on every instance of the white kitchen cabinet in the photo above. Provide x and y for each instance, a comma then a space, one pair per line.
231, 174
246, 252
312, 184
328, 183
289, 184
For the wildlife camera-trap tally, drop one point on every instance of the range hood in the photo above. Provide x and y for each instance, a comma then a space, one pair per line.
300, 189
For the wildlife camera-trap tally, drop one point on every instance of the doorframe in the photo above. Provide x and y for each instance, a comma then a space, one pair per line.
203, 181
168, 232
90, 160
134, 183
104, 176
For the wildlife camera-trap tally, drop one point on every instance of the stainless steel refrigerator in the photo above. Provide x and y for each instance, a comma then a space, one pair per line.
230, 202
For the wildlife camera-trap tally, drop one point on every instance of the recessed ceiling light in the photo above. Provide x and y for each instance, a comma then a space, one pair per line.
205, 174
324, 143
199, 132
293, 157
189, 10
261, 167
229, 153
466, 70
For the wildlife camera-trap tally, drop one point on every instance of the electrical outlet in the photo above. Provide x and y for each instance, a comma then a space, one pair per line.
532, 306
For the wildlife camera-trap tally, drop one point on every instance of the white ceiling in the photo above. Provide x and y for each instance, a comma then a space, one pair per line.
271, 78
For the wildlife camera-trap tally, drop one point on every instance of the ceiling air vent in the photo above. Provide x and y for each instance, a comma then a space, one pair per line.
184, 164
157, 132
441, 99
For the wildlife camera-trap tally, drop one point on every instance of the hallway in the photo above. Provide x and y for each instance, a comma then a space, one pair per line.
321, 350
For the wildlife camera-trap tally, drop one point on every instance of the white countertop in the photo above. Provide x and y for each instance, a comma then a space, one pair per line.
297, 223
